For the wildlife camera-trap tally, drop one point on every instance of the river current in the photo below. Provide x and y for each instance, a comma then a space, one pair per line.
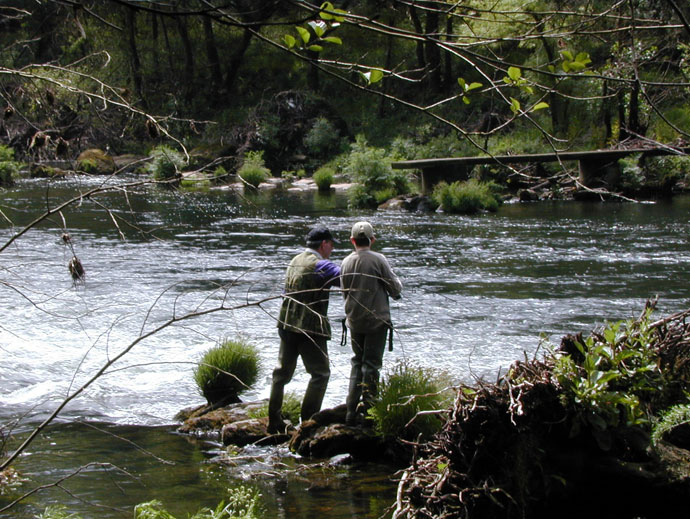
479, 291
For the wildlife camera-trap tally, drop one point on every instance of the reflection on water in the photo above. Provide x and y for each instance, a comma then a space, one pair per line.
478, 292
127, 465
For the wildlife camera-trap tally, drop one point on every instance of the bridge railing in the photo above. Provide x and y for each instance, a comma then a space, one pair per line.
594, 165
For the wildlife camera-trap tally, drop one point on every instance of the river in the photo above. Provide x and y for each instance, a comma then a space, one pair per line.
479, 292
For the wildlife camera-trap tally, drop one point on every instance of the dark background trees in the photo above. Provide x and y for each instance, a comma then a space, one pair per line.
89, 72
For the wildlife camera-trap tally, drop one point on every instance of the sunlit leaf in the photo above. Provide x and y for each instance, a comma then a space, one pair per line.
289, 41
315, 48
514, 105
514, 73
376, 75
326, 6
304, 34
567, 55
540, 106
466, 100
474, 86
333, 39
319, 28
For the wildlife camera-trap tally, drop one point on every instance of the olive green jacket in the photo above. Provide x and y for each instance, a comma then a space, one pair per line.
305, 301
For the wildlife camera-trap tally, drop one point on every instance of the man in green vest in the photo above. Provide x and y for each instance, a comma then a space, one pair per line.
303, 325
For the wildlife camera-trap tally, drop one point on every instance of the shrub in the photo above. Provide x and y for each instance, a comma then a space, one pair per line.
220, 175
253, 170
9, 169
467, 197
166, 164
676, 416
370, 167
324, 178
322, 138
663, 172
403, 393
291, 408
243, 503
226, 370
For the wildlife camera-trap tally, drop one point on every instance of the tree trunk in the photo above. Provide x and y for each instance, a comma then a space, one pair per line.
188, 79
414, 18
431, 50
448, 62
134, 62
212, 56
237, 59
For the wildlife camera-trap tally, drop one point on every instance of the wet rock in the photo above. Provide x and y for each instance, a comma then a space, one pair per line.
324, 441
44, 171
244, 432
412, 203
204, 420
528, 195
96, 162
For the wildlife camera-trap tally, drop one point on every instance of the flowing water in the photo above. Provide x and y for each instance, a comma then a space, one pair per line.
479, 291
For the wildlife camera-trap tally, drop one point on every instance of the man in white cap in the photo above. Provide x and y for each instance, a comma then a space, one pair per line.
367, 281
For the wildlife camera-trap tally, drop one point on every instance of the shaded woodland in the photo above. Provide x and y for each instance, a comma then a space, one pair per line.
421, 78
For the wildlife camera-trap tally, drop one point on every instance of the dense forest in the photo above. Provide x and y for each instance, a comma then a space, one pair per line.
299, 81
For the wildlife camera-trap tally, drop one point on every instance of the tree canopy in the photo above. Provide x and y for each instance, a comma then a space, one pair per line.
123, 72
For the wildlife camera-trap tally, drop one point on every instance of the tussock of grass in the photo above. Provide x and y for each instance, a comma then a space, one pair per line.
467, 197
227, 370
406, 391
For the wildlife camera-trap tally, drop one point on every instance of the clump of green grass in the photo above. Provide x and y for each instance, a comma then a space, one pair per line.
371, 169
468, 197
292, 405
674, 417
227, 370
253, 170
406, 391
9, 168
166, 164
324, 178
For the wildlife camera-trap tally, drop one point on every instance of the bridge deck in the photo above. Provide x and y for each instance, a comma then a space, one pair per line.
536, 157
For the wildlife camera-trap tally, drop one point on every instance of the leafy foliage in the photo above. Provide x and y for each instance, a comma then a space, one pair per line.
166, 164
405, 392
292, 405
324, 178
468, 197
371, 169
610, 378
227, 370
9, 169
242, 503
253, 170
672, 418
322, 139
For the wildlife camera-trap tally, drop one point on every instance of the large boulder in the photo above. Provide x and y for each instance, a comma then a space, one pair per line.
96, 162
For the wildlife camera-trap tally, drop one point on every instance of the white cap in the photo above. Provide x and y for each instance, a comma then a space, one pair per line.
362, 230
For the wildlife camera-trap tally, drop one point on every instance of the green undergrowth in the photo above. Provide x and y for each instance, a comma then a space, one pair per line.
226, 370
411, 402
292, 406
468, 197
242, 503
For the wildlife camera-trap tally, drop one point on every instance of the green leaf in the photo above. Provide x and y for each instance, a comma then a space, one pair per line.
583, 58
514, 73
375, 76
333, 39
304, 34
315, 48
466, 100
514, 105
326, 6
462, 84
441, 466
473, 86
576, 66
567, 55
540, 106
289, 41
319, 28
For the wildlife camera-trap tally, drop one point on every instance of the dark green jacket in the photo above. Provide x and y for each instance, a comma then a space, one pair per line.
305, 301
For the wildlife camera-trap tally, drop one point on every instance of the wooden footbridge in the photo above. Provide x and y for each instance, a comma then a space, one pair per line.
595, 167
